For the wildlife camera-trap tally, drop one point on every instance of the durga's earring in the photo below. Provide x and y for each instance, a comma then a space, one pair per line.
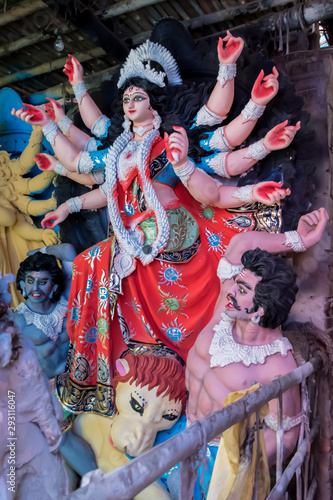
157, 120
127, 124
255, 319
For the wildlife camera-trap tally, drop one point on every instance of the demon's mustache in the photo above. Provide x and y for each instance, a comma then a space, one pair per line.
234, 301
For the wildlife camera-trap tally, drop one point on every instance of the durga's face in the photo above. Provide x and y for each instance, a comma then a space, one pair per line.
136, 106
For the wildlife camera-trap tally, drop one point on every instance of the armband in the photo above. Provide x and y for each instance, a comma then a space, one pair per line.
101, 126
85, 163
226, 270
206, 117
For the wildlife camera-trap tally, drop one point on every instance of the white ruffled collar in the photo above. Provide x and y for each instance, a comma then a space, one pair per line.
224, 350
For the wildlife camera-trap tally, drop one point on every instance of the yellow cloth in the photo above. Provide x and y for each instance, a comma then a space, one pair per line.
234, 470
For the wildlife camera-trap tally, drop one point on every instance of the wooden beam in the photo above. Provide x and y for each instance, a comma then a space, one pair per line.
21, 43
296, 17
22, 10
232, 12
50, 66
123, 7
311, 13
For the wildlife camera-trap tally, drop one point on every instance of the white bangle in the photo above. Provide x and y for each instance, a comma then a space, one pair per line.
294, 241
80, 91
252, 111
244, 193
226, 270
50, 131
60, 169
64, 124
185, 171
226, 72
257, 151
74, 204
43, 250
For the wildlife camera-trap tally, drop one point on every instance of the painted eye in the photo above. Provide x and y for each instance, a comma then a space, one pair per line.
136, 406
170, 416
139, 98
126, 100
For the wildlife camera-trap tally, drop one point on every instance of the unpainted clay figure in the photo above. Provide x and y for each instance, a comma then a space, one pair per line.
18, 233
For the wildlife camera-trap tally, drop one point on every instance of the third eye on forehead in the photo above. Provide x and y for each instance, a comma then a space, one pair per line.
133, 92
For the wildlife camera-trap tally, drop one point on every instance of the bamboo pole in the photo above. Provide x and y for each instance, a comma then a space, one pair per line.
127, 481
50, 66
281, 486
21, 10
279, 438
312, 490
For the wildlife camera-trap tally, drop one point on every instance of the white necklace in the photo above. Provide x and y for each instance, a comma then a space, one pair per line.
130, 241
143, 129
224, 350
49, 324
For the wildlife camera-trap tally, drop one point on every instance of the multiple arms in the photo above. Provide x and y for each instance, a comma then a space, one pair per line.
221, 99
206, 190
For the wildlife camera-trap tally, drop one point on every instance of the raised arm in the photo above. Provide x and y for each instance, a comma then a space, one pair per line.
56, 113
229, 49
279, 137
69, 155
264, 90
89, 111
309, 232
65, 150
206, 189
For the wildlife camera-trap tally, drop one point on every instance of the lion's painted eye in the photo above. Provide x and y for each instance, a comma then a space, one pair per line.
136, 406
170, 416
